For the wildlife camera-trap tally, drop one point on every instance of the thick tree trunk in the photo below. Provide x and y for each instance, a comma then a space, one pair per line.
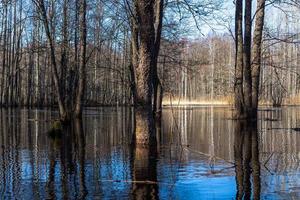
145, 133
238, 81
247, 58
256, 53
82, 58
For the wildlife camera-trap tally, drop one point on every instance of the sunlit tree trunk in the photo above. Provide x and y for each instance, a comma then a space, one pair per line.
144, 72
256, 53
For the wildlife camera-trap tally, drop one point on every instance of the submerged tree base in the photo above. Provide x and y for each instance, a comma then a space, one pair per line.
144, 133
55, 130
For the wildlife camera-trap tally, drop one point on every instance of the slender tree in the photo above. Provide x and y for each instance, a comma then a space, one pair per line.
256, 52
157, 86
238, 81
247, 57
82, 57
63, 95
64, 115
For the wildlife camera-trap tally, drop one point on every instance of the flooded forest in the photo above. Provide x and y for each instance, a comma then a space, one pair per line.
150, 99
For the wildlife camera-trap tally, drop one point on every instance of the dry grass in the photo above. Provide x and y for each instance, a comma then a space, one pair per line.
179, 102
223, 101
295, 100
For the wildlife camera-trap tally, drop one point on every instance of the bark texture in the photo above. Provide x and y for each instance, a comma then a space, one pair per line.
146, 25
238, 82
256, 53
247, 57
144, 69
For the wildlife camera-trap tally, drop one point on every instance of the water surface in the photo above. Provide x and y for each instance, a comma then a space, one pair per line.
201, 154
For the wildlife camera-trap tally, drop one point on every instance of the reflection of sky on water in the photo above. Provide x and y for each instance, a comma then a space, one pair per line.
192, 173
191, 181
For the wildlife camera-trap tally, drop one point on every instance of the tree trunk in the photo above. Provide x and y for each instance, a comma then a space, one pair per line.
64, 55
82, 58
157, 87
64, 115
238, 82
134, 51
145, 134
157, 98
247, 58
4, 26
256, 53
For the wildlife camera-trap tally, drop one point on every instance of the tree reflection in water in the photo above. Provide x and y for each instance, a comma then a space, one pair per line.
144, 162
71, 148
246, 156
100, 163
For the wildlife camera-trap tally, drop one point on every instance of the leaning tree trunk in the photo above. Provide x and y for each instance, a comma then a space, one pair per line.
64, 115
144, 133
82, 58
247, 58
238, 81
256, 53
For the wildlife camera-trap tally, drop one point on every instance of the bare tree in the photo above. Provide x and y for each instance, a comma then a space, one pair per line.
144, 17
256, 52
238, 81
82, 57
65, 110
64, 115
247, 57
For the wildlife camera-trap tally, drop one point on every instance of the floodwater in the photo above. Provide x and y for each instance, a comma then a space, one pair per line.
201, 154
